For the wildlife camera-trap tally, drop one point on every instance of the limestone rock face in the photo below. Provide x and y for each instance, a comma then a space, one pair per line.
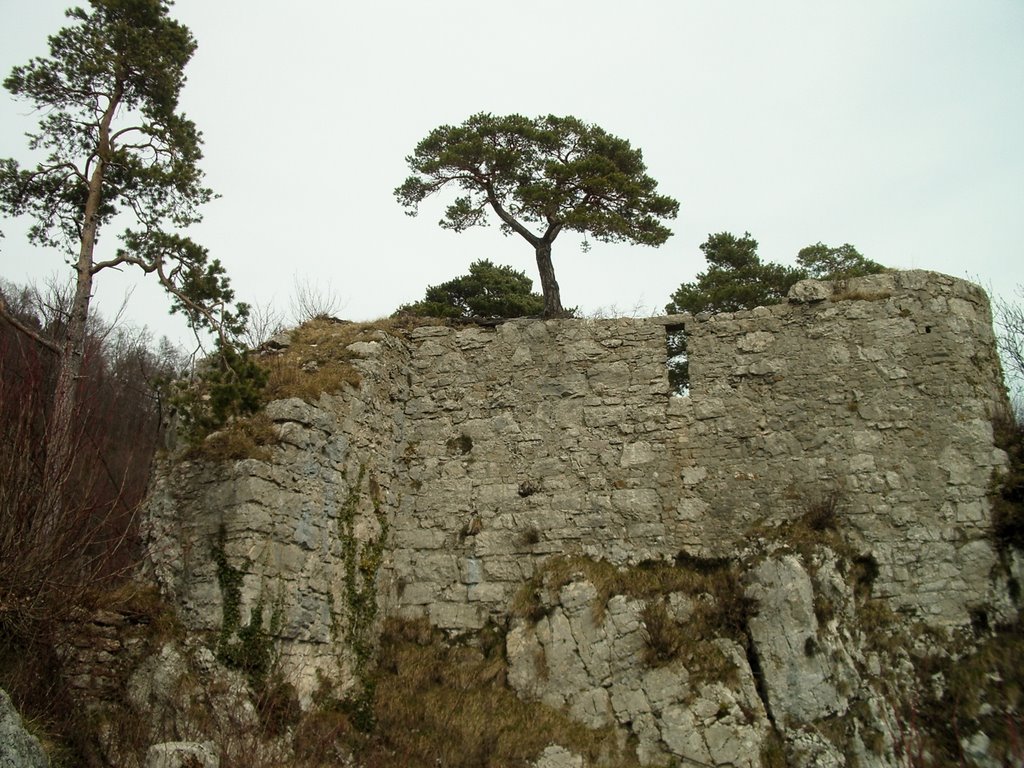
561, 436
594, 666
187, 695
816, 663
801, 681
800, 676
272, 542
469, 458
18, 748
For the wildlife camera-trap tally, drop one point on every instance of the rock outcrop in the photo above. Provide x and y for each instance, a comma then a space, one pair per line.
834, 455
18, 747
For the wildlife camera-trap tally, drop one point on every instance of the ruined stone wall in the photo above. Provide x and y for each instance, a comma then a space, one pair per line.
531, 439
469, 456
562, 437
885, 393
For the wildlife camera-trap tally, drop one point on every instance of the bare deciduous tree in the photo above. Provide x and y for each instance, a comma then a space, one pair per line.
1009, 322
264, 322
311, 302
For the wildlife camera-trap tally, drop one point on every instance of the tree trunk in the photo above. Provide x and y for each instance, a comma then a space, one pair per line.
60, 430
548, 284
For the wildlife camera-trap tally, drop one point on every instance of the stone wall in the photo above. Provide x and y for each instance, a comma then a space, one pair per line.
469, 456
562, 437
530, 439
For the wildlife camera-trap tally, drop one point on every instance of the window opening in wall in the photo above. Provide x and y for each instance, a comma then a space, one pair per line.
678, 361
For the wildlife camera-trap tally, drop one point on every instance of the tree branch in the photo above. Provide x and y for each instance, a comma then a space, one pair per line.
128, 129
552, 231
115, 262
32, 334
44, 170
508, 218
168, 283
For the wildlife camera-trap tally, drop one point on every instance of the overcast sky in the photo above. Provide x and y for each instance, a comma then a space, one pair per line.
894, 125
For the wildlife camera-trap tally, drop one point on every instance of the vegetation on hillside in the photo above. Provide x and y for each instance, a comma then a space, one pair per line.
317, 359
53, 565
115, 148
438, 702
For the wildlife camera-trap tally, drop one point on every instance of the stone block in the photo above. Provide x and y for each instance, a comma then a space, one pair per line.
488, 592
640, 452
604, 416
419, 593
693, 475
495, 495
593, 708
664, 686
496, 542
419, 538
441, 567
458, 616
637, 503
556, 756
628, 701
577, 596
691, 509
509, 568
471, 570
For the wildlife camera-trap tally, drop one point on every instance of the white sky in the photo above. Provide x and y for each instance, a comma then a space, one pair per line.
894, 125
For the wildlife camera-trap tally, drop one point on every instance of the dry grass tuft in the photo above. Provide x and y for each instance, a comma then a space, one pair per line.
249, 437
439, 703
665, 638
883, 629
716, 580
319, 359
140, 603
816, 523
822, 514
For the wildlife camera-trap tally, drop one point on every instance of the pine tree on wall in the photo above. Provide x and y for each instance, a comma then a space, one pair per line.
540, 176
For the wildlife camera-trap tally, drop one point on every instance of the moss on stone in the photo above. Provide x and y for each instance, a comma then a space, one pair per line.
248, 648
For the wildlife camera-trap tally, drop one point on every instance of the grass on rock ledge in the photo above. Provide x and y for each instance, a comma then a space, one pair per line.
317, 361
718, 607
439, 702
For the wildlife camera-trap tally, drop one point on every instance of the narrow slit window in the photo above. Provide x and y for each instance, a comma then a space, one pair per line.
678, 361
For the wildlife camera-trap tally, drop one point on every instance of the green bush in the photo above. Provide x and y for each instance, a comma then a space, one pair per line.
228, 387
